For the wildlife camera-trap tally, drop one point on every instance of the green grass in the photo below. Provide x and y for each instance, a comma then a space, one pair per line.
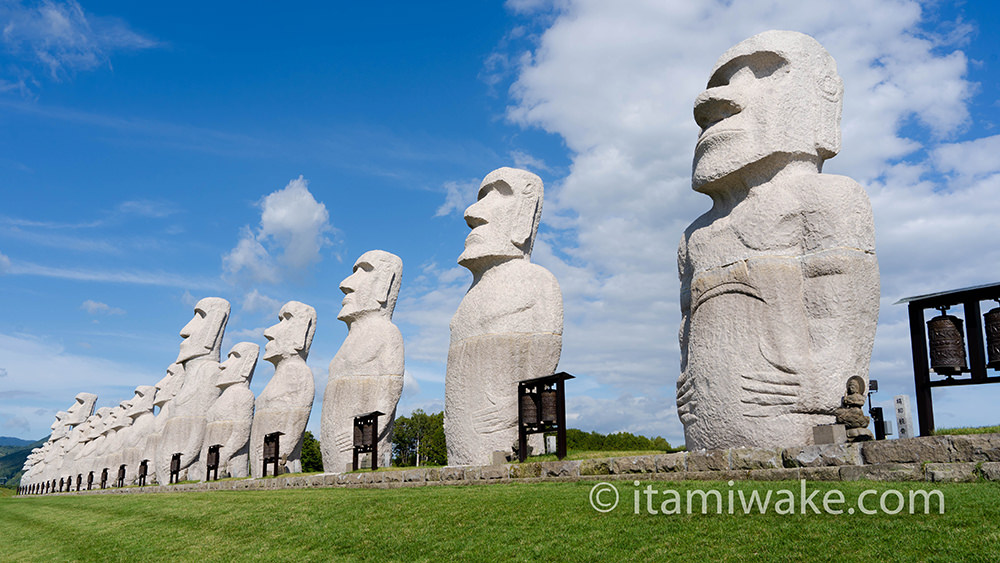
584, 454
974, 430
540, 521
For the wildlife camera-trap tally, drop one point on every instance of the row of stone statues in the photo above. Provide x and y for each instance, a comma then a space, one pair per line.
508, 328
779, 300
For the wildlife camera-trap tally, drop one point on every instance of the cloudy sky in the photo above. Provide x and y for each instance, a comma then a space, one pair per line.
151, 157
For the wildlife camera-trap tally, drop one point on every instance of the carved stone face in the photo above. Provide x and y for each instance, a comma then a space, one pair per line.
81, 409
239, 366
776, 92
503, 219
142, 402
167, 388
373, 286
293, 333
203, 333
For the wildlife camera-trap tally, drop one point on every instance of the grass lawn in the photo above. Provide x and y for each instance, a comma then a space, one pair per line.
973, 430
540, 521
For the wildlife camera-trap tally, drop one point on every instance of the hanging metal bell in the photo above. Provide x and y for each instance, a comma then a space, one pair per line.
993, 338
529, 409
549, 406
367, 434
947, 344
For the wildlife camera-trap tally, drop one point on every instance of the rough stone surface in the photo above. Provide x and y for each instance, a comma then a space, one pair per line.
285, 403
990, 470
671, 463
785, 474
708, 460
508, 326
911, 450
593, 467
822, 455
560, 469
779, 280
634, 464
366, 375
750, 458
830, 434
525, 470
882, 472
951, 472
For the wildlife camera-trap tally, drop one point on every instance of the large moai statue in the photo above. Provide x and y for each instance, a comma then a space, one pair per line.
166, 390
231, 415
81, 409
366, 375
184, 431
285, 403
779, 280
508, 327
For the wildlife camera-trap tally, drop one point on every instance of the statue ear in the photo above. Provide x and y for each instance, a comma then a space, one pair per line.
304, 343
831, 90
520, 234
215, 325
383, 285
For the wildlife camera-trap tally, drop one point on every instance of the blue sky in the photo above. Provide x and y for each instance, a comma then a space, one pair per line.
153, 156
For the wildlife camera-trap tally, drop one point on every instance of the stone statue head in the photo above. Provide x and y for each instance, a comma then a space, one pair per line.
776, 93
504, 219
372, 287
239, 365
167, 388
142, 402
81, 409
293, 334
203, 334
856, 385
97, 423
60, 416
118, 418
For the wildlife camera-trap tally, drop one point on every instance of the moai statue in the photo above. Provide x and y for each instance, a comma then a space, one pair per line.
508, 327
93, 439
166, 390
184, 431
366, 375
110, 453
779, 280
137, 435
285, 403
81, 409
231, 415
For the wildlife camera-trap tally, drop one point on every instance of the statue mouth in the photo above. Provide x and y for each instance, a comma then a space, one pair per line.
712, 133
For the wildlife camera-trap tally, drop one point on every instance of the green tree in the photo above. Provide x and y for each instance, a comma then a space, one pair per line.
419, 433
312, 456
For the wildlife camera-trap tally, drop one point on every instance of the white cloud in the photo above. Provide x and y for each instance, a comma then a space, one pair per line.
411, 387
526, 161
256, 301
96, 307
293, 228
42, 369
458, 196
622, 101
62, 38
4, 264
132, 277
148, 208
428, 305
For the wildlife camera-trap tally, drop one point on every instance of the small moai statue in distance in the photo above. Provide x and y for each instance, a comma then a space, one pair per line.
285, 403
231, 415
366, 375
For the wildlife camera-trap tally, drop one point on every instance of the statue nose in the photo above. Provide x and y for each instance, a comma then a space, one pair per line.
712, 106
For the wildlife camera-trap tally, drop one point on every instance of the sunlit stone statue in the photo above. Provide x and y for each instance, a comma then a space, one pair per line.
166, 390
508, 327
137, 436
779, 281
367, 373
81, 409
184, 430
231, 415
285, 403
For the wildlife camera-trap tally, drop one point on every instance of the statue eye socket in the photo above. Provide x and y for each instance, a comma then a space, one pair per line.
762, 65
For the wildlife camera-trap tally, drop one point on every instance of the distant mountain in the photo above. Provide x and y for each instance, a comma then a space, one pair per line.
12, 459
17, 442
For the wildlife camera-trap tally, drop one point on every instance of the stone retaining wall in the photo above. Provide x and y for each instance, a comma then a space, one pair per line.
934, 458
